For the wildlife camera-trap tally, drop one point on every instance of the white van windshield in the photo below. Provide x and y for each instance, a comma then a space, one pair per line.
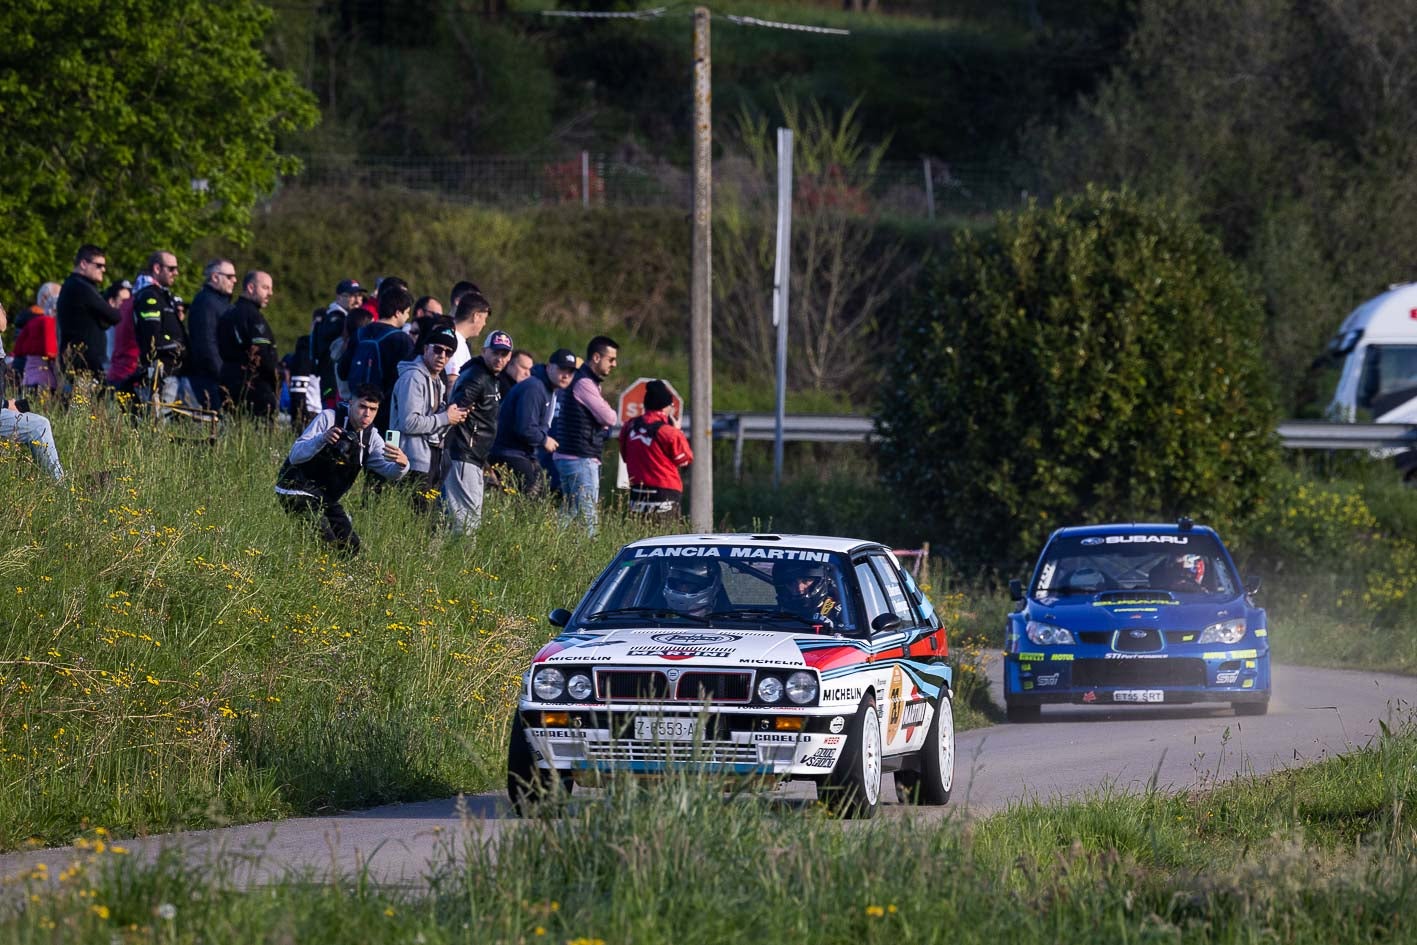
1389, 378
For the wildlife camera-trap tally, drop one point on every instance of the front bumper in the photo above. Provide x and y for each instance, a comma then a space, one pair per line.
1098, 676
744, 743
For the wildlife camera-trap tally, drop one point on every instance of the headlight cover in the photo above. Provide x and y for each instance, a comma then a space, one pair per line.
548, 683
770, 689
1046, 634
801, 687
1227, 632
580, 688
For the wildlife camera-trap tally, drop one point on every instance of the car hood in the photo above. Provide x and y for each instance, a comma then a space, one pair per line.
661, 646
1115, 611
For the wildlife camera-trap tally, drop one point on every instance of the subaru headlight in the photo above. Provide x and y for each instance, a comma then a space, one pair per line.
1227, 632
769, 689
548, 683
801, 687
579, 686
1045, 634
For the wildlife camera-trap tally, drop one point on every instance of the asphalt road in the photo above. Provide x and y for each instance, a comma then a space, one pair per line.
1314, 713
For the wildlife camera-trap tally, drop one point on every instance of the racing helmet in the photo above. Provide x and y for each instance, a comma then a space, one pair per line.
1193, 566
801, 585
692, 586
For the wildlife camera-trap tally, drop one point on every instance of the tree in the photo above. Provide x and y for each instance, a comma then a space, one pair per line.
1098, 359
842, 273
135, 124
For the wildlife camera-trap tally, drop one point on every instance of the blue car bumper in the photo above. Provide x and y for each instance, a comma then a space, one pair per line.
1097, 675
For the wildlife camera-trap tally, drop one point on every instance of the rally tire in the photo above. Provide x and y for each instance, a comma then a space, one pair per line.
932, 783
528, 786
1023, 713
853, 789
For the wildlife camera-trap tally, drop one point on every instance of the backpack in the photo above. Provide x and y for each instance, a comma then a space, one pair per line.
367, 366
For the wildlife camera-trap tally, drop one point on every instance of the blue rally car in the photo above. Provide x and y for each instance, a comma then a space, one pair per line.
1135, 614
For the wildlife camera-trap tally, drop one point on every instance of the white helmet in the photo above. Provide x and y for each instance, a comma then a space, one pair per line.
692, 586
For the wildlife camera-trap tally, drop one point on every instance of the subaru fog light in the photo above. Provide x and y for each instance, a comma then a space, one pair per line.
802, 687
1227, 632
770, 689
548, 683
1045, 634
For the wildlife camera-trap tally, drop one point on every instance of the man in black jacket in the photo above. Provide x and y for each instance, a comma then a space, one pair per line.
468, 444
203, 356
84, 316
160, 333
248, 349
326, 459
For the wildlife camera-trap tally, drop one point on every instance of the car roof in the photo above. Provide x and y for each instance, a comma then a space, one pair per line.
762, 539
1133, 528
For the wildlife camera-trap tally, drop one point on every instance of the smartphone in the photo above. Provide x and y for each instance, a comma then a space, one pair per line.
392, 439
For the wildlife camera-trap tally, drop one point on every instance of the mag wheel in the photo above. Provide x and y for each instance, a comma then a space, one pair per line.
853, 789
528, 785
1023, 713
933, 782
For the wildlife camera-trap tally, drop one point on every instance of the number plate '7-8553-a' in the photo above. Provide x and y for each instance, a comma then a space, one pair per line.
651, 729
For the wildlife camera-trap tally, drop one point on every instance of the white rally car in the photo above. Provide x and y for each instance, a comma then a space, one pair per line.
752, 656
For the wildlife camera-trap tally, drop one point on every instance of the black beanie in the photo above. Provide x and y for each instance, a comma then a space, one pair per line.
657, 396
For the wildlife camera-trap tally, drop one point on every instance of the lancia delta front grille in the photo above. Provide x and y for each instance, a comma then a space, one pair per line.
1158, 672
629, 750
654, 685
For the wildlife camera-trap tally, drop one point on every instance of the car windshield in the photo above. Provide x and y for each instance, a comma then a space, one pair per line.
1191, 564
788, 589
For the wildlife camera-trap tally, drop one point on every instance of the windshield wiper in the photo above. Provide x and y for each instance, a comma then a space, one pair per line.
658, 613
766, 616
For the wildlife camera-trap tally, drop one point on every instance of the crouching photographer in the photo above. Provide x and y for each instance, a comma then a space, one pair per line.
326, 459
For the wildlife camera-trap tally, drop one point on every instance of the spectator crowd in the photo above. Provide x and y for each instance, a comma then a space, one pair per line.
421, 397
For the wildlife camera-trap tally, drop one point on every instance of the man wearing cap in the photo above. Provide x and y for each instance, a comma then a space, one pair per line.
524, 420
327, 330
583, 420
655, 449
469, 443
415, 413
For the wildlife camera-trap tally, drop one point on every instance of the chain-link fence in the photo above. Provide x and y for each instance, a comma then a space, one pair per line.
928, 188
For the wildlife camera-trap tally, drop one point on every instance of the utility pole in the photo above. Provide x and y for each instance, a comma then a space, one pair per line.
700, 286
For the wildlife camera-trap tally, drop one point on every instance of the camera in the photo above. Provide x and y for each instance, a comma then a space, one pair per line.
346, 450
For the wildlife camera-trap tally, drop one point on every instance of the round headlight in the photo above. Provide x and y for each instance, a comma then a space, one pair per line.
548, 683
579, 687
801, 687
769, 689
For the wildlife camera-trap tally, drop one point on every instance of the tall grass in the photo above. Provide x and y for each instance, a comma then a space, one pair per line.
1318, 855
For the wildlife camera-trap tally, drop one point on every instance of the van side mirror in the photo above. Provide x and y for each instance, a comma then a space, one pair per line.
559, 617
884, 623
1253, 584
1015, 589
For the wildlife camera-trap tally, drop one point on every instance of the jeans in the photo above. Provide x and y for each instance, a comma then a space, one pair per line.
32, 430
580, 485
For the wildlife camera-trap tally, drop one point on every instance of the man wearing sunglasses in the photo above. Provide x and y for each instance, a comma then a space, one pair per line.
415, 413
84, 317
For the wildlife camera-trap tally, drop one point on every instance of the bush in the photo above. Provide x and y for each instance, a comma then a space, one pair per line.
1097, 359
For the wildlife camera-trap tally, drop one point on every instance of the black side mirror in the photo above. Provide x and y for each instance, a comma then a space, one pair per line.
559, 617
885, 623
1015, 589
1253, 585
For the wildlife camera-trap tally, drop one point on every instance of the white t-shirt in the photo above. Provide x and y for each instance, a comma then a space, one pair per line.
461, 356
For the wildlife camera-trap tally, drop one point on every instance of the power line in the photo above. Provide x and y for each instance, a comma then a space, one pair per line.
606, 15
773, 24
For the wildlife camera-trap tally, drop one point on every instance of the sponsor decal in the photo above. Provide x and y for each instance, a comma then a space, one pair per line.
693, 639
1061, 658
1137, 634
699, 551
837, 724
821, 758
790, 738
896, 701
1134, 604
1147, 540
586, 646
671, 674
842, 694
1030, 657
557, 732
597, 658
678, 653
1135, 656
832, 740
1050, 679
914, 714
1089, 696
773, 662
1092, 540
1227, 677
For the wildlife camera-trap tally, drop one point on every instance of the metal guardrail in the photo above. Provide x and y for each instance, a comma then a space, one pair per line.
1322, 435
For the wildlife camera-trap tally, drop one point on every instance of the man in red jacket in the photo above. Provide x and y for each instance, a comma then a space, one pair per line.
655, 449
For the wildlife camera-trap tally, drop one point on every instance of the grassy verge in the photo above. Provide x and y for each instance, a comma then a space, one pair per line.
1323, 854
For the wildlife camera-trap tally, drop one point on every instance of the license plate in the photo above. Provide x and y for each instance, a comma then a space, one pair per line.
651, 729
1139, 695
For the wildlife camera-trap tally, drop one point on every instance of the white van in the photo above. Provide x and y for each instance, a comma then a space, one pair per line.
1377, 347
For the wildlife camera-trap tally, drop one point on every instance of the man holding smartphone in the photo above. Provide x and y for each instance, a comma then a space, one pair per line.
418, 414
327, 458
